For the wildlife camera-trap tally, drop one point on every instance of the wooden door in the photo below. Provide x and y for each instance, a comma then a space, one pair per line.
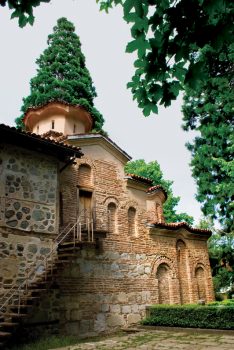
85, 205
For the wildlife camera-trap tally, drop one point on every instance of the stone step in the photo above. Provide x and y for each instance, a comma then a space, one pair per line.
13, 315
4, 334
8, 324
67, 255
58, 262
67, 249
21, 306
29, 298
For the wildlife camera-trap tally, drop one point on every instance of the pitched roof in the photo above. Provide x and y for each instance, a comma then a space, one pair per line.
96, 136
178, 225
146, 180
157, 188
39, 143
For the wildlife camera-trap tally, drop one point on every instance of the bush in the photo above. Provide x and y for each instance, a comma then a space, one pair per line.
193, 316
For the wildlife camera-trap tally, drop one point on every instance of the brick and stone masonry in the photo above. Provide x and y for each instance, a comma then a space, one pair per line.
139, 259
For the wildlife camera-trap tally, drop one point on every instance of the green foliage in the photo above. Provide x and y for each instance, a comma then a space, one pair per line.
221, 253
208, 109
152, 171
62, 74
226, 302
22, 9
192, 316
167, 38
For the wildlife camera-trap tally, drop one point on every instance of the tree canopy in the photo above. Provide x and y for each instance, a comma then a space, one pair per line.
221, 254
152, 171
167, 37
22, 9
208, 109
62, 74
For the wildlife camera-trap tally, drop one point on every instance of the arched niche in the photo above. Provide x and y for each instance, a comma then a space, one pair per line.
163, 276
201, 282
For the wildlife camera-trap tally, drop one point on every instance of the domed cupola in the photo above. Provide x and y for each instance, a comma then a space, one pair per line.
58, 117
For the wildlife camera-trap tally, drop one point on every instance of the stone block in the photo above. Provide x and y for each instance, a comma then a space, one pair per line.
135, 308
122, 298
115, 320
126, 309
133, 318
100, 323
105, 307
75, 315
115, 308
147, 270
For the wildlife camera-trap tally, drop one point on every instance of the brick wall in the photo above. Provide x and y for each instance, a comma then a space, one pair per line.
109, 287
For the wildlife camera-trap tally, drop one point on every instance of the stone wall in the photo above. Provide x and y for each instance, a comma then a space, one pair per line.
133, 266
28, 190
20, 255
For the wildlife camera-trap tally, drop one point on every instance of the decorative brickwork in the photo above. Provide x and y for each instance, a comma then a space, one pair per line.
138, 260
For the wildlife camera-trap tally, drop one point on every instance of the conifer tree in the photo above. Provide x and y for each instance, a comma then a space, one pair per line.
62, 74
209, 111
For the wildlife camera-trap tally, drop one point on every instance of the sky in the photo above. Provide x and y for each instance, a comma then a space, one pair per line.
104, 38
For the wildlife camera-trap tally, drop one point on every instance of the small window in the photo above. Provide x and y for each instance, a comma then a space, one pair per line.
52, 124
74, 128
112, 217
37, 129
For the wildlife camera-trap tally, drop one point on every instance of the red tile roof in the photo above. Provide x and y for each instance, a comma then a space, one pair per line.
178, 225
156, 188
25, 135
140, 178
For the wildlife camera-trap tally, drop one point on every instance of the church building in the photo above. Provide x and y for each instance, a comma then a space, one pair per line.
84, 247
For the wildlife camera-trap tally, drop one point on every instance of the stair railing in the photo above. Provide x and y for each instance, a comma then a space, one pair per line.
17, 290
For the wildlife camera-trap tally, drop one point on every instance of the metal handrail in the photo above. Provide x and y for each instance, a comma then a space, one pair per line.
56, 243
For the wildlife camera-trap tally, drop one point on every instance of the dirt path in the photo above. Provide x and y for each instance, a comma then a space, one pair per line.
160, 340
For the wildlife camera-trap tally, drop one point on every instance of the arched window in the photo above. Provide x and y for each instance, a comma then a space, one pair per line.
84, 175
112, 217
163, 276
201, 286
182, 263
132, 221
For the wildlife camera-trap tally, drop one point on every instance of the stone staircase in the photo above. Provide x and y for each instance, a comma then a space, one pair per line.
17, 303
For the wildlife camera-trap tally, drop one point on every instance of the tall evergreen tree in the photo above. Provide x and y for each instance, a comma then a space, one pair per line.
62, 74
152, 171
208, 109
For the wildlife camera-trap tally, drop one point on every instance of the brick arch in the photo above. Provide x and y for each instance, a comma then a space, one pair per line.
198, 264
111, 199
86, 161
129, 204
180, 239
162, 259
182, 266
